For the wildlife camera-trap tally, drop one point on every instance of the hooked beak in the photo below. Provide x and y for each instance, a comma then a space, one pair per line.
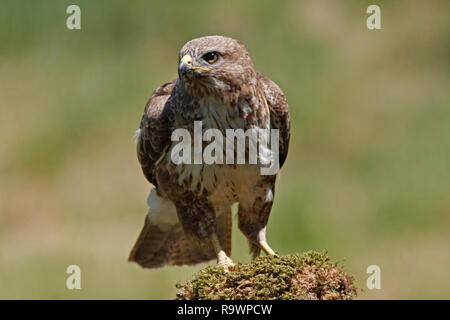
186, 65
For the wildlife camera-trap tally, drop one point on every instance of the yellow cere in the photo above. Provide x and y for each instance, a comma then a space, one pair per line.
188, 60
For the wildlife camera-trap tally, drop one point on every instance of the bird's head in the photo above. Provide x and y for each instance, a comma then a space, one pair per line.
214, 65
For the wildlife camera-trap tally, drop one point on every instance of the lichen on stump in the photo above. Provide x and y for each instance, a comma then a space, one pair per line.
307, 276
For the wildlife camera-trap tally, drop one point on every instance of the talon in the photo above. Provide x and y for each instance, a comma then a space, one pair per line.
224, 261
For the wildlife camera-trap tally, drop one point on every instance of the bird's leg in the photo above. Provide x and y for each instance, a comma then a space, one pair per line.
266, 248
256, 236
222, 259
261, 239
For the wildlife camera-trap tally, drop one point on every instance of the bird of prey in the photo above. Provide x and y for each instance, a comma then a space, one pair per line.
189, 218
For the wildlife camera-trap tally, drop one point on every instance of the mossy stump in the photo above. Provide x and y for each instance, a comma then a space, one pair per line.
307, 276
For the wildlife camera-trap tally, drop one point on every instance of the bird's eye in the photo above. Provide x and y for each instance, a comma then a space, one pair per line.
211, 57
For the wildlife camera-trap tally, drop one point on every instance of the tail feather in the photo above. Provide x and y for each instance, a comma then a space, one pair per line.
156, 247
148, 250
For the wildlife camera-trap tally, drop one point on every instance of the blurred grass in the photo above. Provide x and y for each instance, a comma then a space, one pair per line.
368, 172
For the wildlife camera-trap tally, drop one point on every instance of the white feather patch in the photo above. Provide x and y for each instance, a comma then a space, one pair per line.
162, 212
137, 135
269, 195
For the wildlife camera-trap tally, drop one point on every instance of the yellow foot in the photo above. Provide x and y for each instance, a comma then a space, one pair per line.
268, 250
224, 261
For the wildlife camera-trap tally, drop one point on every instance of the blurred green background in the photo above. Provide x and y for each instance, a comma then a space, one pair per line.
367, 177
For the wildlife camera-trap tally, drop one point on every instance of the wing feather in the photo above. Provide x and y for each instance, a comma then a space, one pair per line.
155, 130
279, 114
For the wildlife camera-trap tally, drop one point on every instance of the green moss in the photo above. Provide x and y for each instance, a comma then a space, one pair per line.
311, 276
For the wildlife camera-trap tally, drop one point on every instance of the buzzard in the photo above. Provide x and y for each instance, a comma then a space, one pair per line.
189, 218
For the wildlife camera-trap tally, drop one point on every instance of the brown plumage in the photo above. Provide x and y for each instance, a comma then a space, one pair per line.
189, 219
